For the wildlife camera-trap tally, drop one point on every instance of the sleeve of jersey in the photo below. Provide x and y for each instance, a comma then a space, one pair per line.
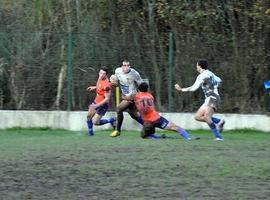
217, 79
194, 87
137, 77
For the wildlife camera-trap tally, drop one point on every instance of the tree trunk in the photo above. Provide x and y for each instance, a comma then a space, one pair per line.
61, 80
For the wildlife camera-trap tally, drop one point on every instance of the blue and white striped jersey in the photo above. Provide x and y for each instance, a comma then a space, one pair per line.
128, 82
208, 81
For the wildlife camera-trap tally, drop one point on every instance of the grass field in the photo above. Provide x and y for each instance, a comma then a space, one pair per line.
57, 164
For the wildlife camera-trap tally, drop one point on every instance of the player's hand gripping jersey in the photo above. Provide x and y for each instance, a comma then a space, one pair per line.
103, 87
208, 81
145, 105
128, 82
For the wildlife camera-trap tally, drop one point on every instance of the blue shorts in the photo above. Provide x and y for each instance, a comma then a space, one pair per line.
101, 110
149, 127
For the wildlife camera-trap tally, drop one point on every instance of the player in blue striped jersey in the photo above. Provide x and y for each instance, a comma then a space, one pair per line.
209, 83
128, 79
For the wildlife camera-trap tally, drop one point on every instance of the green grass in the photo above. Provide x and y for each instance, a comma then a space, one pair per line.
58, 164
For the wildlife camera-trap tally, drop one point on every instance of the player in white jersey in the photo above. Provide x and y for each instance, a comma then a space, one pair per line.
209, 83
129, 79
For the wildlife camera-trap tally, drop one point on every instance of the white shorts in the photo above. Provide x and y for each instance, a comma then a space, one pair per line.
212, 101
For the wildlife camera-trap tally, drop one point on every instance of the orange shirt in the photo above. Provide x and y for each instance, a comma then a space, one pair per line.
103, 86
145, 104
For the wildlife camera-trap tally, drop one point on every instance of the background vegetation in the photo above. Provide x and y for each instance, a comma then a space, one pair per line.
233, 35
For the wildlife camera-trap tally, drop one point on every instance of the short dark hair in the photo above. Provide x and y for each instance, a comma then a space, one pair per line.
105, 69
203, 63
143, 87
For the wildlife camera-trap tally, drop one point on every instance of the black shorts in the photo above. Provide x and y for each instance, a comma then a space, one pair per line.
101, 110
149, 127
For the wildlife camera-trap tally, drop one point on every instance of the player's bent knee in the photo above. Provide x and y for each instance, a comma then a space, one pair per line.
199, 118
96, 123
119, 110
89, 117
96, 120
147, 130
143, 134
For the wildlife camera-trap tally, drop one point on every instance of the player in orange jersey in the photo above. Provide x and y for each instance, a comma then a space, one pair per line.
145, 104
99, 107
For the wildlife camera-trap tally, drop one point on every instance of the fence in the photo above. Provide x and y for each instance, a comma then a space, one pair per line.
50, 71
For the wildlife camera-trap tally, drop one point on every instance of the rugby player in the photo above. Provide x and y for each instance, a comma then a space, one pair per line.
209, 83
128, 79
100, 105
145, 104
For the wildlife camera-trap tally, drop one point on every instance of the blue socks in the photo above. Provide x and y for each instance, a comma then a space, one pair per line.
101, 122
184, 134
90, 127
215, 120
104, 121
214, 130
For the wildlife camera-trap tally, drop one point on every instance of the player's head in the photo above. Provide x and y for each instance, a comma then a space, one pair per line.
125, 66
143, 87
202, 63
103, 72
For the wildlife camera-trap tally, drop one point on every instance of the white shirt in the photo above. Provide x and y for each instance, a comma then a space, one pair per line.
208, 81
128, 82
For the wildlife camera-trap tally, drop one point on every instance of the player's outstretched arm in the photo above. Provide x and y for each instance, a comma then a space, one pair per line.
194, 87
177, 87
91, 88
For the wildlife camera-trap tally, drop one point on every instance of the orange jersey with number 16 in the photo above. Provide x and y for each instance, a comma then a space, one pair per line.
145, 104
103, 86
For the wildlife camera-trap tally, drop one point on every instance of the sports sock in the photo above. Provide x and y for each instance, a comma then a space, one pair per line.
103, 121
183, 133
90, 127
214, 130
215, 120
112, 119
89, 124
120, 118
